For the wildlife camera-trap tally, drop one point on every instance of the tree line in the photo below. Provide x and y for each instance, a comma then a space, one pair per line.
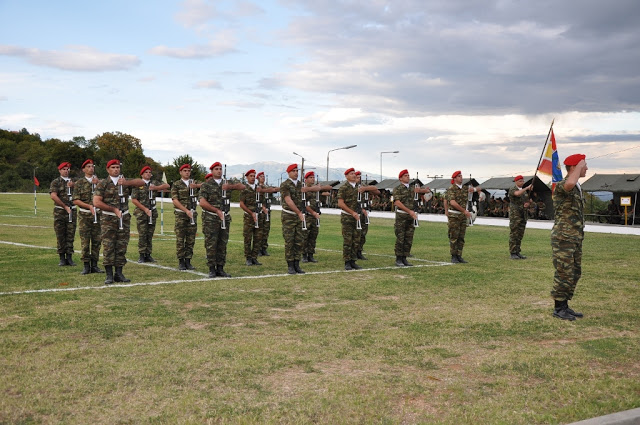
24, 155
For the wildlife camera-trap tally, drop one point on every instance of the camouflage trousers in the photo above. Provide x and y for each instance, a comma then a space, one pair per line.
350, 238
404, 230
185, 234
114, 240
457, 224
567, 260
265, 228
146, 231
251, 236
65, 230
215, 238
517, 224
292, 234
363, 232
310, 236
89, 237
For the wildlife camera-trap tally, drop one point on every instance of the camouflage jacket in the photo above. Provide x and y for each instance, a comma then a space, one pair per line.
83, 191
180, 191
109, 193
460, 195
405, 195
248, 196
141, 193
516, 203
211, 192
312, 201
287, 188
349, 196
59, 186
569, 213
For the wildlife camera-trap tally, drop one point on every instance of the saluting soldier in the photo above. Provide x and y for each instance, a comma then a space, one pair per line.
216, 222
518, 214
364, 222
88, 218
263, 222
112, 198
403, 200
567, 236
251, 234
144, 198
456, 197
186, 217
64, 219
312, 217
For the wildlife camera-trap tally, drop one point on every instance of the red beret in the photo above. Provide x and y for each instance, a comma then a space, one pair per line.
88, 161
208, 176
402, 173
113, 162
349, 170
261, 173
574, 159
185, 166
291, 167
516, 178
309, 174
358, 173
145, 168
64, 164
455, 174
249, 172
214, 165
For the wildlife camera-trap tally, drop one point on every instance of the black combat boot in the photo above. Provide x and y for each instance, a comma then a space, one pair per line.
149, 259
305, 259
95, 268
406, 263
361, 256
290, 268
118, 276
571, 312
454, 259
560, 311
248, 262
311, 259
212, 272
87, 268
347, 265
188, 265
461, 260
296, 267
264, 252
256, 262
514, 256
354, 266
70, 260
63, 260
399, 262
220, 271
109, 278
181, 265
142, 258
522, 257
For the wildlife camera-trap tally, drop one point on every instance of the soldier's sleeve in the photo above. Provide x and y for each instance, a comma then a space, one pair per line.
174, 190
284, 190
100, 188
341, 192
54, 186
77, 190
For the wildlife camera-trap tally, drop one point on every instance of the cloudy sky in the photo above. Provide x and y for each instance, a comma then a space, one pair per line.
469, 85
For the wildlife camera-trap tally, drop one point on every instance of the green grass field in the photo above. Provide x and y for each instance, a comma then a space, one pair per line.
448, 344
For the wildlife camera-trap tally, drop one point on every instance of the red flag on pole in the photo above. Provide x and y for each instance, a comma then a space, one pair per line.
35, 181
550, 164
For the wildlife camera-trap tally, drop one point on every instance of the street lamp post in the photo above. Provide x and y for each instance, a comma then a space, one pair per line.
336, 149
381, 161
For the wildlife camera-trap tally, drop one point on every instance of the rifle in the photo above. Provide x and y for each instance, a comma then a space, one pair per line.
95, 210
303, 200
267, 204
123, 199
317, 208
70, 197
359, 209
226, 202
258, 206
152, 203
417, 203
472, 207
192, 202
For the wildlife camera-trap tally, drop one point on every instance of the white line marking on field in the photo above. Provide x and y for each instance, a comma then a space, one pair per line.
173, 282
25, 225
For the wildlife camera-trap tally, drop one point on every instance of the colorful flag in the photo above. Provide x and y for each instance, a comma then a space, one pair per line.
35, 181
550, 165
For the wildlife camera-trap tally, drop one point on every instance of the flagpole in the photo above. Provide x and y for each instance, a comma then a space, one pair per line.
164, 180
35, 198
543, 150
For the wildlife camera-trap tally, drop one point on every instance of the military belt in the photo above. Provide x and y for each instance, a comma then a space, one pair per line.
87, 211
113, 214
401, 212
454, 212
289, 212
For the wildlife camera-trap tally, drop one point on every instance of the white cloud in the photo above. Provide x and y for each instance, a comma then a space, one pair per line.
209, 84
224, 43
74, 58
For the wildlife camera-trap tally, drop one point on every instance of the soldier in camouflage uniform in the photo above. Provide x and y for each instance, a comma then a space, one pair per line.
456, 198
144, 198
518, 214
115, 210
64, 218
404, 201
216, 236
88, 218
365, 213
567, 236
264, 219
312, 217
251, 234
186, 217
